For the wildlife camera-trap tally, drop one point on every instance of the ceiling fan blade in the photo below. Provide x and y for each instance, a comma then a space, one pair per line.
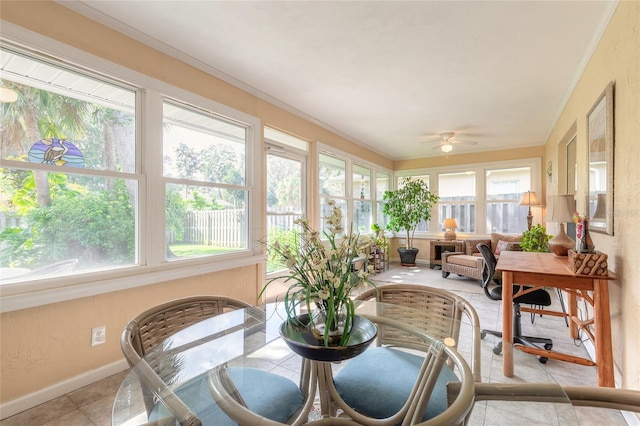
465, 142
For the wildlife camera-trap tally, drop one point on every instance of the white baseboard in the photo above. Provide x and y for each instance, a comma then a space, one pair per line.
31, 400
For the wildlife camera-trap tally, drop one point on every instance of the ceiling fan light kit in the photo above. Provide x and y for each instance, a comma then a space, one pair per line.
447, 141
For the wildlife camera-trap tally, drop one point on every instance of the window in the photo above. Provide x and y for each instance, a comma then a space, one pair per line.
504, 188
361, 193
383, 183
69, 183
206, 192
286, 157
332, 180
457, 192
78, 199
356, 187
486, 193
423, 226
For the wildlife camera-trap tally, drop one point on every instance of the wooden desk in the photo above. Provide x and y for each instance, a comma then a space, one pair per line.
547, 269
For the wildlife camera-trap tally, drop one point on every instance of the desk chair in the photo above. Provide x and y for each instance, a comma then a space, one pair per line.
191, 403
493, 290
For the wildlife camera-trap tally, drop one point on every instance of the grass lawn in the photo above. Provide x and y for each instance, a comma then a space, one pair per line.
188, 250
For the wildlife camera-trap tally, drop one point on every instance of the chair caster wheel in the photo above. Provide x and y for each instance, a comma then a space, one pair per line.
548, 346
497, 349
483, 334
542, 359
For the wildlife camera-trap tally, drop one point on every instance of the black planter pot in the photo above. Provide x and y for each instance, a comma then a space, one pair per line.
408, 256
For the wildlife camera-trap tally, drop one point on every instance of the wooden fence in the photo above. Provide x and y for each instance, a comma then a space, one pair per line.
224, 228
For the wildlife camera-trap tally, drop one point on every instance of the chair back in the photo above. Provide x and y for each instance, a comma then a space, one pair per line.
151, 327
488, 270
437, 312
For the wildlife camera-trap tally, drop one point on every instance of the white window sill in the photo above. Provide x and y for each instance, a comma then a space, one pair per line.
21, 295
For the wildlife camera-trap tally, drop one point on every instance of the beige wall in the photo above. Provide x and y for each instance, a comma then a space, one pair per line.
45, 345
616, 58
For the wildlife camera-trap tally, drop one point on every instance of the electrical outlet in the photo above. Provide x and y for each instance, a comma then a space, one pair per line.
98, 335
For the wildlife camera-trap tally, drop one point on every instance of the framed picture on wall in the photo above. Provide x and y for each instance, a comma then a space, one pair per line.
600, 139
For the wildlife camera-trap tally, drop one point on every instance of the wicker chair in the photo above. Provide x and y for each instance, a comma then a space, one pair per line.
435, 313
150, 328
427, 379
448, 307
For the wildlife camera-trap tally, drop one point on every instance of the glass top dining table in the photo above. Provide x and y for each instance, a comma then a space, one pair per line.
242, 338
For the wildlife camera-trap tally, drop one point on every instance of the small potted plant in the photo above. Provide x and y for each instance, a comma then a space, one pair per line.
535, 239
406, 207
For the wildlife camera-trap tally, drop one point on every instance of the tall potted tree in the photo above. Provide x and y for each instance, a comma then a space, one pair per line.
406, 207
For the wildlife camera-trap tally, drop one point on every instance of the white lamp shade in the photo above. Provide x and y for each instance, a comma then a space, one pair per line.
450, 223
529, 198
560, 209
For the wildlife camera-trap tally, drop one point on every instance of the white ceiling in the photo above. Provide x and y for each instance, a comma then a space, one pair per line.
385, 74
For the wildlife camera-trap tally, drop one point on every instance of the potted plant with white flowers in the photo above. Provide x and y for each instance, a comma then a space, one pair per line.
321, 278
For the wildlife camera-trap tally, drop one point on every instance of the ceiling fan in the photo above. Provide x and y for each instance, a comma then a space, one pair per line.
447, 141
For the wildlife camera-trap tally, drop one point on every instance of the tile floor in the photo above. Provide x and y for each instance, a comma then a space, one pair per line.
92, 404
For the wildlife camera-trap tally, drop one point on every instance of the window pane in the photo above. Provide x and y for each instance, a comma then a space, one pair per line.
382, 184
284, 185
89, 223
457, 193
203, 221
284, 203
62, 118
382, 219
422, 226
504, 189
332, 176
362, 217
64, 220
361, 182
201, 147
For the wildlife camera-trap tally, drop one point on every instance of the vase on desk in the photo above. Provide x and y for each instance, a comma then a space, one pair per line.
584, 243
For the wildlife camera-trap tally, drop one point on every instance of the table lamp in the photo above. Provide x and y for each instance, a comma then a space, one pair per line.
529, 199
559, 210
450, 224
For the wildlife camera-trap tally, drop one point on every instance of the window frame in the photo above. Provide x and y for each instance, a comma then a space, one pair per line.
349, 197
534, 163
152, 267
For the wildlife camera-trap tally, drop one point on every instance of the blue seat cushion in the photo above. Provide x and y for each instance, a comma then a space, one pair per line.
267, 394
378, 383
